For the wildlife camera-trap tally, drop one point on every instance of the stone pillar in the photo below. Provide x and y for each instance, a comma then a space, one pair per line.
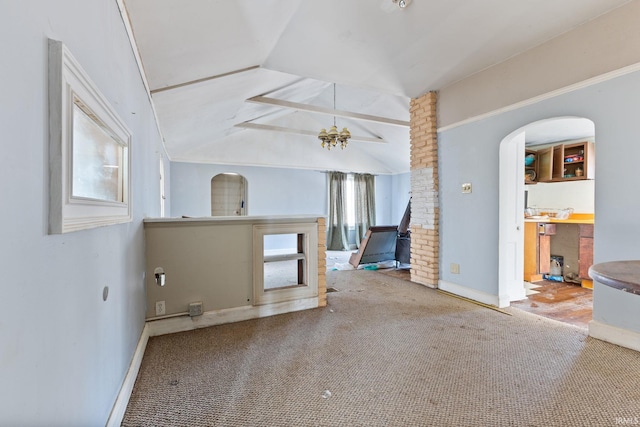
425, 239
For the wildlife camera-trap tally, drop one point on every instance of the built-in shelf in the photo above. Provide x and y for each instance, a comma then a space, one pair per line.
561, 162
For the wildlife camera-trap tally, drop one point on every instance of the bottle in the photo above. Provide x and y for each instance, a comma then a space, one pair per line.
579, 171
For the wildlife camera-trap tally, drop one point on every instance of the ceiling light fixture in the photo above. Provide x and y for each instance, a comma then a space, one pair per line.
331, 138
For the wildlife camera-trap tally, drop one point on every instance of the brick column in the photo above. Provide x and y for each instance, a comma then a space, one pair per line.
425, 239
322, 262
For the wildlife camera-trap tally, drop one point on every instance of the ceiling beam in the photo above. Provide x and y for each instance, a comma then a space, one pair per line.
328, 111
204, 79
258, 126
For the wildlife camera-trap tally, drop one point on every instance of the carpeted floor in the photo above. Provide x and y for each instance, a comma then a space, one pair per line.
386, 352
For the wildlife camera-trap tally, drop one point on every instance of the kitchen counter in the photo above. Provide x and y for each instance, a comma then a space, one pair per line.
573, 241
573, 219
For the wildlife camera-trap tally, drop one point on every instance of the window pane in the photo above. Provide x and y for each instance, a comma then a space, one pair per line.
97, 160
350, 202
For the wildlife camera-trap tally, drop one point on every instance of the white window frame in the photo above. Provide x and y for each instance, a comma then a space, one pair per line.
309, 288
68, 84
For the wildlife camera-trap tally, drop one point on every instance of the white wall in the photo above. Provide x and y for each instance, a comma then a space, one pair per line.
579, 195
469, 153
63, 351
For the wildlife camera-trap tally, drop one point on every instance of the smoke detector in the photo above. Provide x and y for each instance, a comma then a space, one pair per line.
402, 4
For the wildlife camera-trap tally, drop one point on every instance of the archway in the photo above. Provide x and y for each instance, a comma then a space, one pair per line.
512, 190
228, 195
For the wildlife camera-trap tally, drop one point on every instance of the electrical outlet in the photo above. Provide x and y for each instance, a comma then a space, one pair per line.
455, 268
466, 187
195, 309
160, 308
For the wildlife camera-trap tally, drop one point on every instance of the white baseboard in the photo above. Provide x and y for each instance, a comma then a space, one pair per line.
614, 335
120, 406
473, 294
228, 315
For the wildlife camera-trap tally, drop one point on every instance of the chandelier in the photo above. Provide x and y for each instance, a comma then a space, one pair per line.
333, 137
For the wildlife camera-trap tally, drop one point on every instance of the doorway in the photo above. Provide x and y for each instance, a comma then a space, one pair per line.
162, 189
228, 195
559, 298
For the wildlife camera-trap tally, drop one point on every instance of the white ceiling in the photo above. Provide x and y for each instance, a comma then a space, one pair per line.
559, 129
204, 58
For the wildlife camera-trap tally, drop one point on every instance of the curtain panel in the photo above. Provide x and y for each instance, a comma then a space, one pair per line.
337, 227
365, 204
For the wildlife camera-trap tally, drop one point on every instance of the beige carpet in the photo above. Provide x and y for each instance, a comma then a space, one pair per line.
391, 353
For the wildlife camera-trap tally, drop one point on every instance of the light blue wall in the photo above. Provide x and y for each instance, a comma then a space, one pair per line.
392, 196
470, 153
400, 195
272, 191
278, 191
63, 351
384, 200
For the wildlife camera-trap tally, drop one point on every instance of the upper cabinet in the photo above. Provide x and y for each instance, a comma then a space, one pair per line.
559, 163
530, 166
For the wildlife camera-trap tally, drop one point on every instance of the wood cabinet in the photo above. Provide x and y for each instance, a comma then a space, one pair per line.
585, 250
537, 250
531, 252
578, 161
545, 164
531, 167
565, 162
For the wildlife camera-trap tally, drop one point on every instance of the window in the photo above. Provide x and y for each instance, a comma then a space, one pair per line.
351, 207
88, 151
96, 158
350, 201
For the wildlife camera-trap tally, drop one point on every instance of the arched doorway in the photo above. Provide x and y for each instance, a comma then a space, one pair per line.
512, 193
228, 195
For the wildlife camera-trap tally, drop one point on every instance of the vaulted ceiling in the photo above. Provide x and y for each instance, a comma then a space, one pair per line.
252, 81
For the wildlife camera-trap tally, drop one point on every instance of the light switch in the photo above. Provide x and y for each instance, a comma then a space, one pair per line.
466, 187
